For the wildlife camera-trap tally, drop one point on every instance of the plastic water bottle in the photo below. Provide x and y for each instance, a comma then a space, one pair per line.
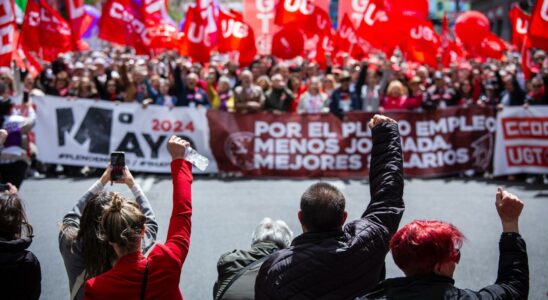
199, 161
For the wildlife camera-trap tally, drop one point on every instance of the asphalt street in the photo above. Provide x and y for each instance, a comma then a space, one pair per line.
225, 212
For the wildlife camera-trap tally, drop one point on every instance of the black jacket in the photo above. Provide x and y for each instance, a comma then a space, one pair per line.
20, 274
344, 264
512, 281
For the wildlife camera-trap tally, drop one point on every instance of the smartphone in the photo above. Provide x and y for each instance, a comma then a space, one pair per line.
4, 187
118, 162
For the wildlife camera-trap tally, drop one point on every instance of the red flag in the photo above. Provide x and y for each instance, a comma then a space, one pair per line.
44, 31
259, 14
381, 30
492, 47
355, 9
288, 43
7, 32
415, 9
451, 54
236, 35
194, 42
348, 40
77, 17
422, 43
294, 11
328, 45
122, 23
162, 29
539, 25
520, 23
526, 63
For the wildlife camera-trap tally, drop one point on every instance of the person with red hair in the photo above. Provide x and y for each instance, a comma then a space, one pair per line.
429, 251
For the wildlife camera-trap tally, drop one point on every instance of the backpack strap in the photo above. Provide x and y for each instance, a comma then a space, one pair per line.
239, 274
78, 283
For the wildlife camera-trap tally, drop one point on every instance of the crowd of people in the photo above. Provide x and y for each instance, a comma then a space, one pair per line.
110, 250
375, 84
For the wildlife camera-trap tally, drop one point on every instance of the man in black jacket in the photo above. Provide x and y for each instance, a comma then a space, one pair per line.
327, 261
428, 252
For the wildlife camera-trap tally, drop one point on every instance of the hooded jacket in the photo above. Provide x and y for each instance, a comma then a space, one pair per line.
20, 274
344, 264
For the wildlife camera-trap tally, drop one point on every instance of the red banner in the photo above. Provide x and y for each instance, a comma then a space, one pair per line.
194, 42
7, 30
422, 43
321, 145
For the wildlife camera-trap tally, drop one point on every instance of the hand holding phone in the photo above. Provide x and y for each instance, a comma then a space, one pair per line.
118, 163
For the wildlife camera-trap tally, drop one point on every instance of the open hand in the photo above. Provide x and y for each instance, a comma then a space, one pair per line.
509, 208
176, 146
379, 119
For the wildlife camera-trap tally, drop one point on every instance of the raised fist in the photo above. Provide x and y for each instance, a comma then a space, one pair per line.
509, 208
177, 147
379, 119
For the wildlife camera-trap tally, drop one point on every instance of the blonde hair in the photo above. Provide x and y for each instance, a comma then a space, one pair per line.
396, 84
122, 223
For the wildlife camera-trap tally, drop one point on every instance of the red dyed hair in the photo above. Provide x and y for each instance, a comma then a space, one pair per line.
418, 246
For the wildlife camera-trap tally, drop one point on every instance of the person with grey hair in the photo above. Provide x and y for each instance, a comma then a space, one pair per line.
248, 97
237, 269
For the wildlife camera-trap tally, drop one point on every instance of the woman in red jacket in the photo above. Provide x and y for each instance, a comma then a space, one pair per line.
156, 276
397, 99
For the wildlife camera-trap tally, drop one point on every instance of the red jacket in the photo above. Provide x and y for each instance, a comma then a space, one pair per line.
165, 261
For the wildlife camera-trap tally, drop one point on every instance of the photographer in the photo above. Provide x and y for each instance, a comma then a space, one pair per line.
85, 255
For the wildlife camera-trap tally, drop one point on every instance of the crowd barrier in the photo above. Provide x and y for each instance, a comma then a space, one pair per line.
450, 141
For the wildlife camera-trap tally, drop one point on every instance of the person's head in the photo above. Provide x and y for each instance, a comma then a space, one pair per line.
5, 106
276, 232
112, 87
247, 78
191, 81
86, 88
329, 82
98, 255
536, 85
439, 80
61, 80
163, 86
278, 81
466, 87
395, 89
322, 208
155, 81
224, 84
294, 83
344, 80
426, 247
422, 72
264, 82
123, 225
28, 82
13, 219
415, 84
314, 86
372, 77
539, 57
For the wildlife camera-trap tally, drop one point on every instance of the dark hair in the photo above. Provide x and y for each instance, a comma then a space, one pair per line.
122, 223
322, 207
13, 220
418, 246
98, 254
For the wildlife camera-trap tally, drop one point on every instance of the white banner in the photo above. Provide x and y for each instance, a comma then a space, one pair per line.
522, 141
84, 133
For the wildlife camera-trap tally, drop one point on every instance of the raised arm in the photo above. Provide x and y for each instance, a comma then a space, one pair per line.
513, 274
71, 220
151, 226
385, 175
178, 235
